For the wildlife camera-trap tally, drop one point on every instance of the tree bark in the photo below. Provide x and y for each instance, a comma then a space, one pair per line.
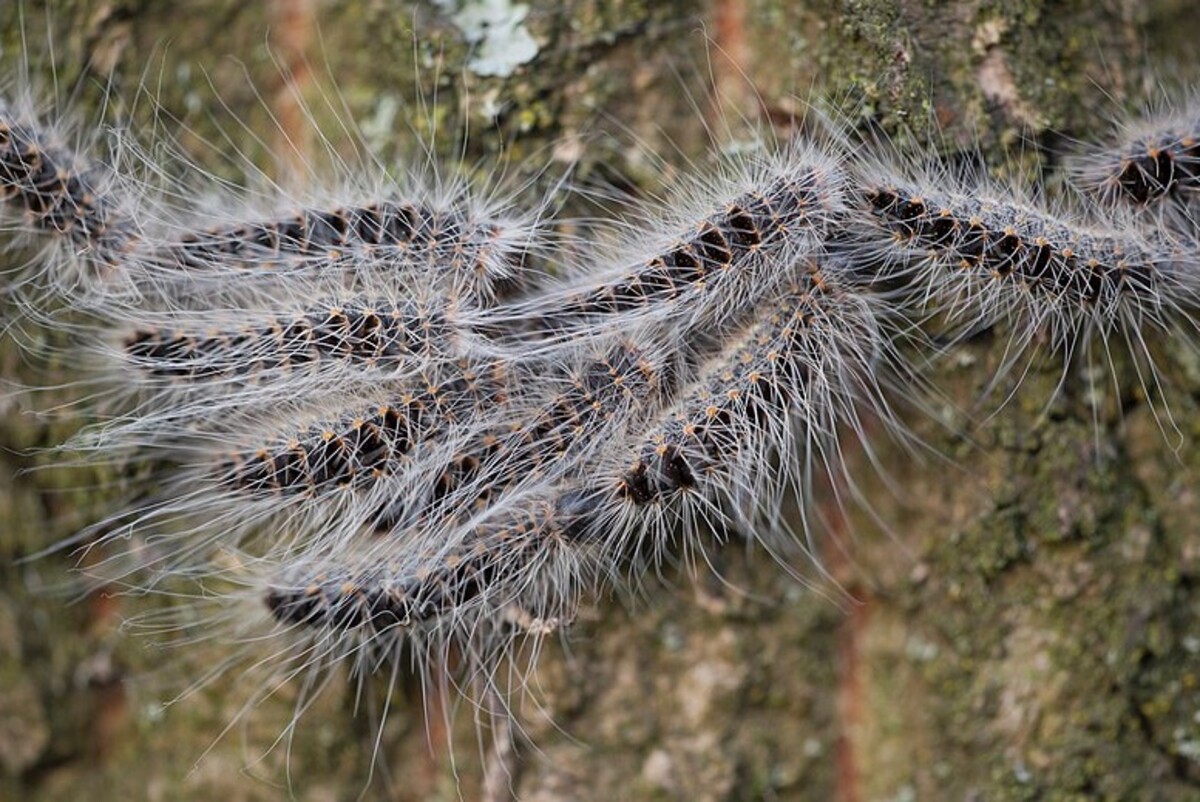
1025, 624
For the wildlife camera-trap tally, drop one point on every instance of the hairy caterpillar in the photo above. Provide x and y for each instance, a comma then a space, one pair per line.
768, 407
1153, 164
984, 257
355, 572
722, 256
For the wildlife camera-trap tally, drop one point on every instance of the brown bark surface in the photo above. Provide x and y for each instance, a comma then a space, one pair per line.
1024, 625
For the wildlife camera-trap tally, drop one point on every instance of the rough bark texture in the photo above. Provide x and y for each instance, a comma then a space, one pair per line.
1029, 626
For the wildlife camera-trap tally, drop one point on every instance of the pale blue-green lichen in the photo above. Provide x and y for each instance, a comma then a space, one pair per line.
496, 31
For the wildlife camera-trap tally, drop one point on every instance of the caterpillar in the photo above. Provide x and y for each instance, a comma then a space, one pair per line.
374, 483
1151, 164
985, 257
470, 251
761, 413
51, 189
720, 257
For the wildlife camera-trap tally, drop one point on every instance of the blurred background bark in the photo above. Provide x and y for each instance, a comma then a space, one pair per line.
1028, 625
